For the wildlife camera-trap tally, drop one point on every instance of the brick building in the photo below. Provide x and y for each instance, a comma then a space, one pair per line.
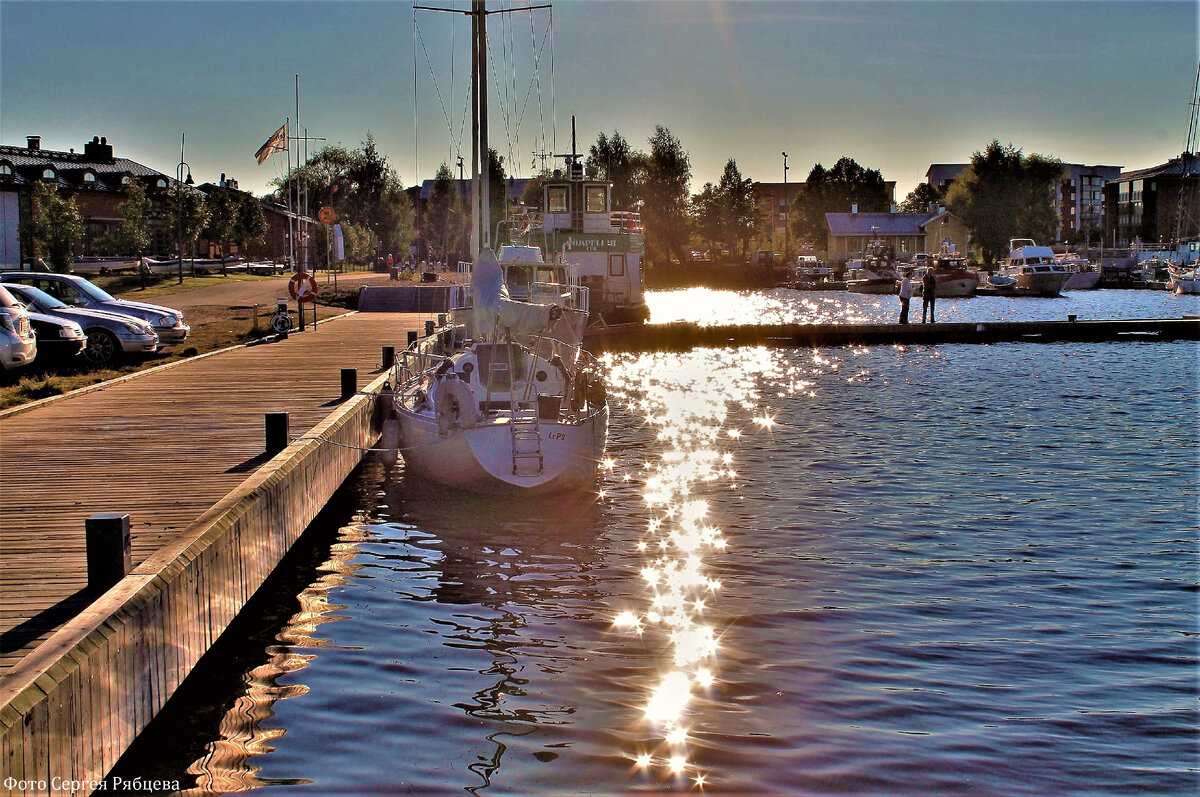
1154, 205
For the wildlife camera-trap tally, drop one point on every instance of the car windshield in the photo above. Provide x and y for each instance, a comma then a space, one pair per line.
94, 292
38, 297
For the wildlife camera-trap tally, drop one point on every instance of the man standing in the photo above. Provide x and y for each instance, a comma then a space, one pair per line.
928, 294
906, 289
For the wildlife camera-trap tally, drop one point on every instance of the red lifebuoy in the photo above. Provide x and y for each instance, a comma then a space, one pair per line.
303, 287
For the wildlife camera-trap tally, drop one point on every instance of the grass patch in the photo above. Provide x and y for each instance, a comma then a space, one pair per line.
213, 328
162, 284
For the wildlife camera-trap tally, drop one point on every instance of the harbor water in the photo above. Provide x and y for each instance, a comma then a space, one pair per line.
925, 570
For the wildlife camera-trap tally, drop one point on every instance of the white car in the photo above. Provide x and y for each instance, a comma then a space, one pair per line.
18, 345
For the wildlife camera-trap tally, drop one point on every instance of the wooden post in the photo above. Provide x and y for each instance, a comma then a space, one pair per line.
277, 431
108, 549
349, 382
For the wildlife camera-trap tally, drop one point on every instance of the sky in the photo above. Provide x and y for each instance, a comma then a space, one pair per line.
894, 85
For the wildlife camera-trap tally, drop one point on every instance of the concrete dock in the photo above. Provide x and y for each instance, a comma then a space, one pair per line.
182, 451
683, 336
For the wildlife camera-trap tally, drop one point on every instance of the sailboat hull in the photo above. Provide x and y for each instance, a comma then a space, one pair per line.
481, 460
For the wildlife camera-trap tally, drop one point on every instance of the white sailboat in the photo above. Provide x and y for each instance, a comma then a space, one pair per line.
503, 398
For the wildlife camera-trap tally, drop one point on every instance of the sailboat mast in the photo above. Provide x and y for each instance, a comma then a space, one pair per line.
476, 19
481, 145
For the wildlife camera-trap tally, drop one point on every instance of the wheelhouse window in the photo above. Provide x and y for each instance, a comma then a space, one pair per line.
556, 199
595, 199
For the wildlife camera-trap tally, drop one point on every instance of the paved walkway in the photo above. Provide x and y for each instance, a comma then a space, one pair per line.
164, 447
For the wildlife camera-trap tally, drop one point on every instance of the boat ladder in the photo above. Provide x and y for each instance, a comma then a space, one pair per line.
526, 432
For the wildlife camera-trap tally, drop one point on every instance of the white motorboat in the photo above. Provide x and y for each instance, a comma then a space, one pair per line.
503, 399
1083, 273
1182, 280
1034, 268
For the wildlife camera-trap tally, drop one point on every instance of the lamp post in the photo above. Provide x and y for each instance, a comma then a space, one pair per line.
180, 181
787, 212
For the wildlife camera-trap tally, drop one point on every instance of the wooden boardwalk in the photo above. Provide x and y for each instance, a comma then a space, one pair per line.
163, 447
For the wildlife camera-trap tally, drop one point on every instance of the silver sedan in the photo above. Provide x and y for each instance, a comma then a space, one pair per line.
109, 335
78, 292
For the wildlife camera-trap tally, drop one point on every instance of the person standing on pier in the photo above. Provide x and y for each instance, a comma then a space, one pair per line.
906, 289
928, 294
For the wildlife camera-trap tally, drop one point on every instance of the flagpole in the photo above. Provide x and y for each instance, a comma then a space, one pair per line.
287, 148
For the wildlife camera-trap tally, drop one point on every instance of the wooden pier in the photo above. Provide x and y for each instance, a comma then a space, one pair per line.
182, 451
684, 336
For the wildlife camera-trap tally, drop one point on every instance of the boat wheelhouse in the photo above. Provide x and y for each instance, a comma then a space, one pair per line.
577, 224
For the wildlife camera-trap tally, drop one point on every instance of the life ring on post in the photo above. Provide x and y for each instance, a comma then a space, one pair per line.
303, 287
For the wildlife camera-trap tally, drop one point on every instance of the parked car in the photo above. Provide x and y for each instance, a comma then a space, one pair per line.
59, 341
18, 344
79, 292
109, 335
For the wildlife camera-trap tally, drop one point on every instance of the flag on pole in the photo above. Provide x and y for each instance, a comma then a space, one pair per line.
278, 142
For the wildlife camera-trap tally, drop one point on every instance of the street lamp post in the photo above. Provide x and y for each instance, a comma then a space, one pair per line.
179, 183
786, 213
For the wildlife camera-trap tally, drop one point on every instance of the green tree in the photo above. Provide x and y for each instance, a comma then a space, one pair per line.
618, 163
188, 215
130, 237
55, 227
740, 214
920, 198
222, 205
1004, 194
249, 224
835, 191
665, 195
442, 223
707, 217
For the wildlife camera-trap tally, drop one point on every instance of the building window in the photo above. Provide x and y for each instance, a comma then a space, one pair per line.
125, 180
48, 174
161, 183
595, 200
88, 177
556, 199
5, 169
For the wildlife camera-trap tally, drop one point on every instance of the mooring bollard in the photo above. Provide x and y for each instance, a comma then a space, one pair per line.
349, 382
389, 356
277, 431
429, 327
441, 319
412, 338
1071, 317
108, 549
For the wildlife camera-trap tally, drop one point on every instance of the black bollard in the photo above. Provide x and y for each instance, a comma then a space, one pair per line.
412, 338
441, 319
389, 356
277, 432
108, 549
349, 382
429, 327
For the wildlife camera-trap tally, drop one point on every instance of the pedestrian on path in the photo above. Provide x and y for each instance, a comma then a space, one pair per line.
928, 294
906, 289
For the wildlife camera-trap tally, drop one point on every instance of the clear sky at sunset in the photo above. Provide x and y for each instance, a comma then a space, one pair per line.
894, 85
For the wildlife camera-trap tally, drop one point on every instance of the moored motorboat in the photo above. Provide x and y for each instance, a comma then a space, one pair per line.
1083, 273
1034, 268
1183, 281
954, 279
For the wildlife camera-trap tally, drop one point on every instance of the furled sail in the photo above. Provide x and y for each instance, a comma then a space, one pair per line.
494, 312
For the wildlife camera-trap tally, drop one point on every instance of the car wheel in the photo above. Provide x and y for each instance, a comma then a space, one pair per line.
102, 347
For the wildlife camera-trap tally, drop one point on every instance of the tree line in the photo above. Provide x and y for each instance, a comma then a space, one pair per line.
224, 217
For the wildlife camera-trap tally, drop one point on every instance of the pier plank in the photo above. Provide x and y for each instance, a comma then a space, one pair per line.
163, 447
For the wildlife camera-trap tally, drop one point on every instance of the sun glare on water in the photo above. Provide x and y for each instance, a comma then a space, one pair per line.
700, 406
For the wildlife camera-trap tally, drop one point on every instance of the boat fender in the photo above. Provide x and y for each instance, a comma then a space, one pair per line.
389, 441
579, 391
597, 393
455, 405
